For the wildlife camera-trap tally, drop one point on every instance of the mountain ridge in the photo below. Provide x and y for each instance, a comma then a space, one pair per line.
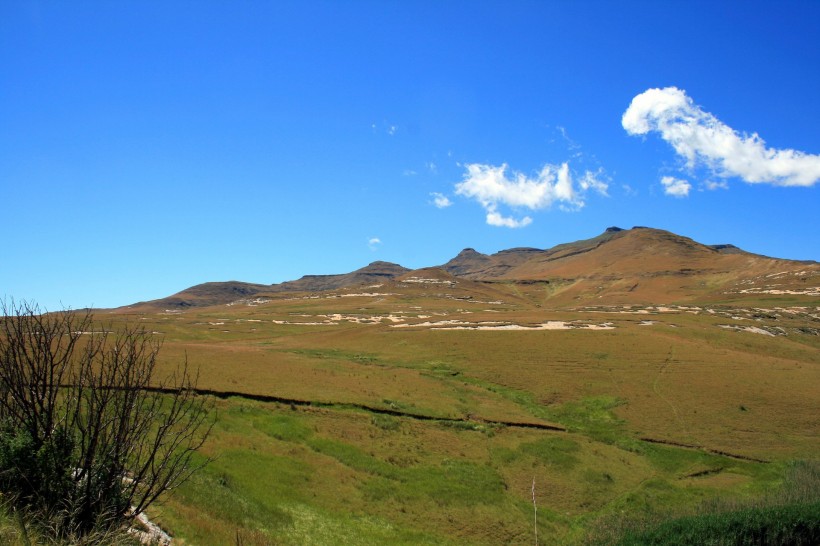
613, 264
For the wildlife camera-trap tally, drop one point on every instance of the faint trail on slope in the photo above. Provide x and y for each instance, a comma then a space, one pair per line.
656, 388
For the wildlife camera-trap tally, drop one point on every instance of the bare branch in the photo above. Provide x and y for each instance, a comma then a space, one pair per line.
86, 397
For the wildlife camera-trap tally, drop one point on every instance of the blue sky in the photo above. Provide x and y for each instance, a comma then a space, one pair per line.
149, 146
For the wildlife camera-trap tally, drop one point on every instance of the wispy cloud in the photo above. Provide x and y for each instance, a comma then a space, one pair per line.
572, 146
492, 187
374, 243
675, 186
716, 185
440, 200
702, 139
388, 128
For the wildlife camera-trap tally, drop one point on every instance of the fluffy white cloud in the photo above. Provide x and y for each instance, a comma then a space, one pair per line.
491, 186
374, 243
701, 138
675, 186
441, 201
494, 218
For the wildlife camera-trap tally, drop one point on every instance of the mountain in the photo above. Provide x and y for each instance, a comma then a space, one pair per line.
644, 265
474, 265
214, 293
209, 293
375, 272
620, 266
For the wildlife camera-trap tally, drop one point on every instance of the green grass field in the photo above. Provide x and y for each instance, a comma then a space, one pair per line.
392, 429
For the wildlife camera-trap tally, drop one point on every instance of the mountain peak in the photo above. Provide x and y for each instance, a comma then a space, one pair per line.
382, 268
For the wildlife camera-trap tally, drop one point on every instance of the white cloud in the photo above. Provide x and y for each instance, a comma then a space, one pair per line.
701, 138
374, 243
496, 219
716, 185
675, 186
594, 181
491, 186
571, 144
441, 201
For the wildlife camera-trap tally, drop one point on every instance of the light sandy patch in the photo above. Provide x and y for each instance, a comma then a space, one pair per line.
360, 295
813, 291
604, 326
619, 311
549, 325
437, 324
752, 329
422, 280
325, 323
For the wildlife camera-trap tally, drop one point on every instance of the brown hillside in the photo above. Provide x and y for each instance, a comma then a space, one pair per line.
375, 272
644, 265
635, 266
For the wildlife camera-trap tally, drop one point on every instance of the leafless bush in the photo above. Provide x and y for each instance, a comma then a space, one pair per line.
88, 438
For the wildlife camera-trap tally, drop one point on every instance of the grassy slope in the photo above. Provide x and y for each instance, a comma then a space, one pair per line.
339, 475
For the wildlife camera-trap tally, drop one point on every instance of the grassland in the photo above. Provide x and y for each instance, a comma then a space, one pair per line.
416, 413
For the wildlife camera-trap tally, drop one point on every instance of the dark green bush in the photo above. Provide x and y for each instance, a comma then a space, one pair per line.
790, 525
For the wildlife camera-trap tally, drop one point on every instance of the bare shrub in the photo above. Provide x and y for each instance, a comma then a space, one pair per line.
88, 438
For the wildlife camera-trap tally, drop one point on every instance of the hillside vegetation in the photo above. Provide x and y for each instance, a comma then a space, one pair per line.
435, 408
